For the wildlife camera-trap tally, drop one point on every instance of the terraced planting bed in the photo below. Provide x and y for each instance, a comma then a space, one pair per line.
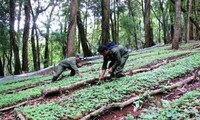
148, 72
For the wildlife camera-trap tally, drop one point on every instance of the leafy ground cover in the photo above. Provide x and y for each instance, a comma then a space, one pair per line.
84, 101
185, 107
36, 92
90, 99
23, 83
19, 80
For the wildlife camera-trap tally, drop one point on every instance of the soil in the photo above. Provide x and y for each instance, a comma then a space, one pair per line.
118, 114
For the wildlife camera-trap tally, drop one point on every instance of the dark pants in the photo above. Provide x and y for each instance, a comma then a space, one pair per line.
119, 68
61, 69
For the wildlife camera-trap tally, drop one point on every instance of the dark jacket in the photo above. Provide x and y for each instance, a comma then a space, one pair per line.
115, 56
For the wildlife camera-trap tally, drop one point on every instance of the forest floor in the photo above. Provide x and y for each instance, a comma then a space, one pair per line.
121, 113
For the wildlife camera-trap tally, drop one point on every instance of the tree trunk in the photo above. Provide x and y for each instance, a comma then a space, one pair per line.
26, 36
188, 26
83, 38
115, 23
194, 12
19, 20
118, 22
171, 12
175, 42
194, 21
33, 46
112, 28
36, 52
9, 59
159, 40
13, 39
1, 68
46, 54
131, 14
164, 22
71, 34
19, 16
147, 27
64, 44
105, 33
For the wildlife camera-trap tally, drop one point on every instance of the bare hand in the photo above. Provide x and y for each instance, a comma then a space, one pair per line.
80, 74
101, 78
110, 70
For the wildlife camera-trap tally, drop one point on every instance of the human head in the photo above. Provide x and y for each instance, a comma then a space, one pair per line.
79, 57
103, 50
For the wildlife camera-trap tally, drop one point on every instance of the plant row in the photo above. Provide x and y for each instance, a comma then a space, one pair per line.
36, 92
24, 83
186, 107
87, 100
27, 81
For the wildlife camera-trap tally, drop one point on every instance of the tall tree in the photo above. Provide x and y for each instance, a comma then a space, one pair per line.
47, 25
19, 16
35, 46
161, 2
83, 39
26, 36
147, 26
114, 21
171, 15
131, 13
193, 20
177, 30
13, 39
188, 23
71, 34
105, 33
1, 67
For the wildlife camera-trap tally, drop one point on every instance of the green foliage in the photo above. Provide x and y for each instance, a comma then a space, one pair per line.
186, 107
13, 81
22, 82
36, 91
90, 99
129, 117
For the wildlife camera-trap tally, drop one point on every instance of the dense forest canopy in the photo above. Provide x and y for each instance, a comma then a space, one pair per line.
35, 34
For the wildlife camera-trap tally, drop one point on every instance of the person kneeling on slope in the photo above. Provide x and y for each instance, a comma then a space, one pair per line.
70, 63
117, 54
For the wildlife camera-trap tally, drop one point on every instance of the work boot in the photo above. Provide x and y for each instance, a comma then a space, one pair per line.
109, 79
54, 79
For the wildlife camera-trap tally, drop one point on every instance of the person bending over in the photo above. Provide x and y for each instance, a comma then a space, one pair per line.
117, 54
70, 63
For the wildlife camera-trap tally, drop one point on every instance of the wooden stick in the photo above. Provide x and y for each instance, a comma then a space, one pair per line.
20, 115
61, 89
131, 100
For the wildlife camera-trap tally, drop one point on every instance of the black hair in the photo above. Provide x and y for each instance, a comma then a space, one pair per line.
102, 48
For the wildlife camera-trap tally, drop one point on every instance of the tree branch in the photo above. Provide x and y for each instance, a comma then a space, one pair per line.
131, 100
